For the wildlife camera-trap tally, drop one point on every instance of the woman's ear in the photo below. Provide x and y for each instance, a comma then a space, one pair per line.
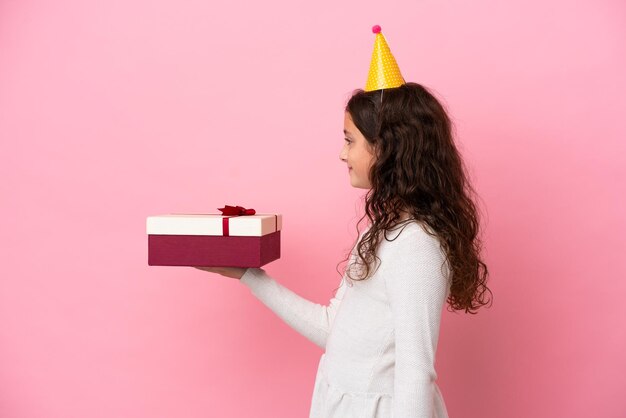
373, 150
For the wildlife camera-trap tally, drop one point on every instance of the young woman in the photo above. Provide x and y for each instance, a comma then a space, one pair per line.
420, 249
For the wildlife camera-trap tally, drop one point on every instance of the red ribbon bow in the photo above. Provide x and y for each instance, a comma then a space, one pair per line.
233, 211
236, 211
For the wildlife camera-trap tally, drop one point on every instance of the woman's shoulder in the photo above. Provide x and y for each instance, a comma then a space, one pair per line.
410, 228
413, 241
411, 233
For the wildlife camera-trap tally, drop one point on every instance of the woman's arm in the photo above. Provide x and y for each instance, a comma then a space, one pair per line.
310, 319
417, 290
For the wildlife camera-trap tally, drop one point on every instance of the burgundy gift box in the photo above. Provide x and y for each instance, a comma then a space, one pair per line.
213, 240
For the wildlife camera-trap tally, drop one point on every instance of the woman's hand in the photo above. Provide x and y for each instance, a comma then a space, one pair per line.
233, 272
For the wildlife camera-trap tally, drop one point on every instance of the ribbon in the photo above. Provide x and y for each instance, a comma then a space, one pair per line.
233, 211
236, 211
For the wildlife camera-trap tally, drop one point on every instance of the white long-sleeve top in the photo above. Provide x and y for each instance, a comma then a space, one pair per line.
379, 335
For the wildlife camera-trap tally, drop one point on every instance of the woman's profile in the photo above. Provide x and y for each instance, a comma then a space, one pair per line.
420, 250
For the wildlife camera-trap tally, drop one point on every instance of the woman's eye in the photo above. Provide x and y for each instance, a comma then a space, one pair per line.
347, 140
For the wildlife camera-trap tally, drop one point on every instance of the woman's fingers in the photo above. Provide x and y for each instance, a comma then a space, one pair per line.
233, 272
209, 269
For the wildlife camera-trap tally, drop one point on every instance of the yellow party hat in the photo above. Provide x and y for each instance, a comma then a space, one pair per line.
384, 71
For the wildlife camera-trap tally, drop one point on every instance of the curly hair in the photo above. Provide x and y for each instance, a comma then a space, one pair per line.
418, 170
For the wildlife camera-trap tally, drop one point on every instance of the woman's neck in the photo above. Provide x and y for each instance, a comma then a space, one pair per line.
404, 215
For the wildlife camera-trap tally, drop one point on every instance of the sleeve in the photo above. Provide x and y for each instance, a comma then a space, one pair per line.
417, 290
310, 319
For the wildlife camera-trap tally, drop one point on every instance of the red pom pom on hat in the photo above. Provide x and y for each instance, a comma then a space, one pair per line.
376, 29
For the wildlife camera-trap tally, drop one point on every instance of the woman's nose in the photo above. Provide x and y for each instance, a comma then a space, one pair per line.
342, 155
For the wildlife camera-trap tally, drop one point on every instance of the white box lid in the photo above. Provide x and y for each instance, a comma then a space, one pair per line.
211, 224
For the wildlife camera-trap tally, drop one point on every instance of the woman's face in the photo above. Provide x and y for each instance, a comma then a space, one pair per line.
356, 153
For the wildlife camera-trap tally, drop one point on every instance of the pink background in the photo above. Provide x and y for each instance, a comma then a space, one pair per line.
112, 111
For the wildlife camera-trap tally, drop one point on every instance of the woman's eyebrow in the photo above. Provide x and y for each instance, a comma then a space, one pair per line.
347, 132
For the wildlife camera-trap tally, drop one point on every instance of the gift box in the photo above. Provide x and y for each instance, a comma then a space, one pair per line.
213, 240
